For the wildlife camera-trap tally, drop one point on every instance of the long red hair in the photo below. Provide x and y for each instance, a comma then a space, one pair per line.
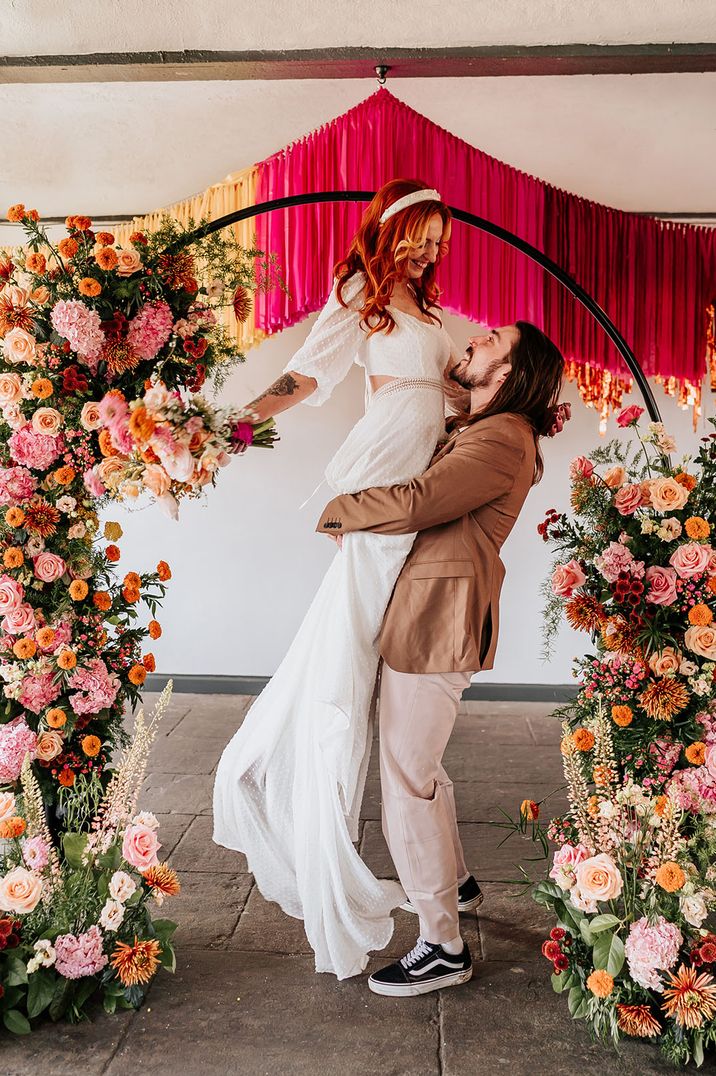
380, 251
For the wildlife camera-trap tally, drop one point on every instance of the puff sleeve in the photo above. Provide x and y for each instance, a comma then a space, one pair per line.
333, 343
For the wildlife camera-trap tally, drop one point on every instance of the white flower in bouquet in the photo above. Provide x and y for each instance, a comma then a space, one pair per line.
688, 668
146, 818
112, 915
694, 909
121, 886
44, 956
648, 526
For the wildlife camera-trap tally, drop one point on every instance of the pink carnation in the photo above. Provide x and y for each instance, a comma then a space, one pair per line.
33, 449
95, 686
16, 740
35, 853
616, 558
150, 329
38, 691
80, 955
80, 326
650, 949
16, 485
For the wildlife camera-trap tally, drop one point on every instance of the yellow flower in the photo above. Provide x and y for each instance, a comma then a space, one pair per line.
112, 531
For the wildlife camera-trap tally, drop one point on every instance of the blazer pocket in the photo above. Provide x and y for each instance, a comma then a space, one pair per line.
439, 569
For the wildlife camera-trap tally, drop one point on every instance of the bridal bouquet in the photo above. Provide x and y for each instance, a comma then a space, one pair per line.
633, 879
75, 921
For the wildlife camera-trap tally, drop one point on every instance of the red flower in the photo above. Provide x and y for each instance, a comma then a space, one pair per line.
561, 963
551, 950
629, 416
73, 380
557, 933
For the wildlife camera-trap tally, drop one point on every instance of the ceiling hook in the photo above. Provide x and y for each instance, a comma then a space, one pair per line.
381, 71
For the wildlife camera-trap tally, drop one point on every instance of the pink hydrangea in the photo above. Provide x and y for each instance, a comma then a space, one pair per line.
35, 853
80, 326
80, 955
616, 558
16, 485
651, 949
16, 740
33, 449
694, 789
38, 691
149, 331
95, 686
565, 861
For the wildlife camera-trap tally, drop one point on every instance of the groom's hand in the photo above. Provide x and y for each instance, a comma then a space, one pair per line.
562, 414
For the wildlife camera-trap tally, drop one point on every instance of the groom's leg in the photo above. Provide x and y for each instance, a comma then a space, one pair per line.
417, 715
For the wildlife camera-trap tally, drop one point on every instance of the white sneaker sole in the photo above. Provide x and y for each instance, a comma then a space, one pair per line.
463, 906
408, 990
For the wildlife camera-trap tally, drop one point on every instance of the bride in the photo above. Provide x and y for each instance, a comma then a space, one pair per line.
290, 783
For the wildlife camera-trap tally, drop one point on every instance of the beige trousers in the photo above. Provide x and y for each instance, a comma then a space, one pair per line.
417, 715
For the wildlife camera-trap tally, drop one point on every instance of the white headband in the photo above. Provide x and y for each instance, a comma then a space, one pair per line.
427, 195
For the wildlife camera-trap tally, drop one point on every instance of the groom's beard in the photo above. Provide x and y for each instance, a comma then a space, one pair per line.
477, 380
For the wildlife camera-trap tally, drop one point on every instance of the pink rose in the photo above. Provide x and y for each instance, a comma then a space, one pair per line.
702, 641
49, 567
581, 467
709, 761
598, 878
20, 621
128, 262
614, 477
140, 846
566, 577
19, 346
20, 891
628, 499
11, 594
10, 389
691, 559
662, 585
629, 416
565, 861
90, 416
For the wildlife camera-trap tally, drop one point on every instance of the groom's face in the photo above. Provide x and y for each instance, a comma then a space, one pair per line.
486, 362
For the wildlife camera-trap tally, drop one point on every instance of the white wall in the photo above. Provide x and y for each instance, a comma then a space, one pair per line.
246, 561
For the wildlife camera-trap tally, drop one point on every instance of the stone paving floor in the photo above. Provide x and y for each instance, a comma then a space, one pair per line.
245, 998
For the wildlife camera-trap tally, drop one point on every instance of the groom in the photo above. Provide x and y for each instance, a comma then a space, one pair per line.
442, 622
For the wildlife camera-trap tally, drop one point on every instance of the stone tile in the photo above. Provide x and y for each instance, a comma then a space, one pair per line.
178, 707
208, 908
264, 927
213, 716
197, 852
512, 925
509, 1020
545, 730
490, 761
186, 754
261, 1014
494, 728
184, 793
482, 802
490, 708
171, 829
370, 808
55, 1049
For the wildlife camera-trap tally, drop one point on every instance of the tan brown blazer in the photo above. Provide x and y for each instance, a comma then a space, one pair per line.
444, 612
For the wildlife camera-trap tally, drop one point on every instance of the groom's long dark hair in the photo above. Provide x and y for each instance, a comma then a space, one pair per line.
531, 389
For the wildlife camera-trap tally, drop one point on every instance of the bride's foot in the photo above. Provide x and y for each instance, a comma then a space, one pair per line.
426, 967
469, 896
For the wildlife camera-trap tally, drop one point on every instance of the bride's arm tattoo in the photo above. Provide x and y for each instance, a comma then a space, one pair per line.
286, 385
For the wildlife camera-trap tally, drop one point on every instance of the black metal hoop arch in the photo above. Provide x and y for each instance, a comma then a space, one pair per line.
474, 222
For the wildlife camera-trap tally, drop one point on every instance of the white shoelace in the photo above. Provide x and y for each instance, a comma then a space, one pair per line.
421, 949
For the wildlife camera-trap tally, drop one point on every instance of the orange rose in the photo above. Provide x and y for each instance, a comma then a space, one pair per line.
702, 641
112, 552
696, 527
91, 745
49, 746
137, 675
24, 648
164, 571
131, 594
16, 213
68, 247
89, 286
106, 258
670, 877
696, 753
65, 475
104, 239
128, 262
36, 263
131, 579
67, 659
78, 590
149, 663
41, 388
45, 637
14, 517
56, 718
13, 557
622, 716
700, 615
668, 495
583, 739
614, 477
102, 600
67, 777
154, 628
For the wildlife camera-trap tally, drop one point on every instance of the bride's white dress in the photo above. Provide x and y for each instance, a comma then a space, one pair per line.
290, 783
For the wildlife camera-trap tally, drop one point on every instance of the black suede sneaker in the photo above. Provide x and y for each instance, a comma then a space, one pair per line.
469, 896
426, 967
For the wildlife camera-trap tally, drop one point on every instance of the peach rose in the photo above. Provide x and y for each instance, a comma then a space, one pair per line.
89, 416
128, 262
691, 559
49, 746
156, 479
10, 389
110, 471
566, 577
702, 640
20, 891
13, 416
667, 495
598, 878
49, 567
665, 661
614, 477
140, 846
628, 499
7, 806
47, 420
19, 346
40, 295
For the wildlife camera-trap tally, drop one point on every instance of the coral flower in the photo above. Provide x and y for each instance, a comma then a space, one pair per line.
696, 753
600, 983
697, 528
106, 258
112, 553
700, 615
78, 590
56, 718
131, 594
24, 648
12, 828
67, 659
67, 777
102, 601
690, 998
585, 612
91, 745
65, 475
137, 675
154, 628
637, 1020
670, 877
41, 518
164, 571
663, 698
622, 715
136, 963
89, 286
14, 517
45, 637
529, 809
163, 881
41, 388
13, 557
583, 739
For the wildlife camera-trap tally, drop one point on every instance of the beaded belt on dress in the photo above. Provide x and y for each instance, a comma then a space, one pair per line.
399, 384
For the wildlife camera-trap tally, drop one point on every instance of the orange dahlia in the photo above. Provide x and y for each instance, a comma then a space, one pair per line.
102, 601
585, 612
45, 637
637, 1020
24, 648
663, 698
36, 263
163, 881
700, 615
56, 718
106, 258
13, 557
78, 590
14, 517
15, 317
696, 753
66, 659
619, 635
670, 877
688, 481
622, 716
12, 828
68, 247
41, 388
89, 286
41, 518
583, 739
600, 983
690, 998
176, 270
136, 963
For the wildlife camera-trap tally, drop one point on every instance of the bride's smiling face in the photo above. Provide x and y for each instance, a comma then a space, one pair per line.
428, 251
